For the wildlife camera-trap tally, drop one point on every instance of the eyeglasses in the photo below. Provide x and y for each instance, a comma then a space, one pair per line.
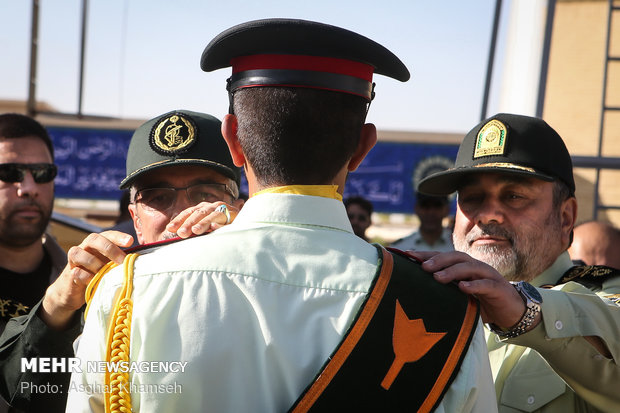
42, 173
160, 199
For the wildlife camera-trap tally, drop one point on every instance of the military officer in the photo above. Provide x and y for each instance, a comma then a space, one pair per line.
178, 172
554, 340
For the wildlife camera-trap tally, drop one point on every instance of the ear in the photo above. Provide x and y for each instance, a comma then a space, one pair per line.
568, 217
238, 203
137, 224
368, 139
229, 132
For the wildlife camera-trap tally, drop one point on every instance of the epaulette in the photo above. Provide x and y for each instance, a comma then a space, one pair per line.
146, 248
589, 275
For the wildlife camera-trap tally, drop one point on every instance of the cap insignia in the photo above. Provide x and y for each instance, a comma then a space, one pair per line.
491, 139
173, 134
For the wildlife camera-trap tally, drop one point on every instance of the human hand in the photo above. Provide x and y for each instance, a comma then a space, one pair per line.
201, 218
66, 295
500, 303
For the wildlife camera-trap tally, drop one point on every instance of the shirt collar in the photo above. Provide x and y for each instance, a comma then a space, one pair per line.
327, 191
284, 207
552, 274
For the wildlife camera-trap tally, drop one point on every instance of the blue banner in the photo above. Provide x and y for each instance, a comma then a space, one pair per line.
389, 174
91, 164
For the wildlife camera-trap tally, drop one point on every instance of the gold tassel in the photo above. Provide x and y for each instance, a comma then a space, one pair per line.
118, 396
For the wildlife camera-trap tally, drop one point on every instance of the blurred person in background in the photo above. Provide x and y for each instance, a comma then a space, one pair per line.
359, 211
431, 235
596, 243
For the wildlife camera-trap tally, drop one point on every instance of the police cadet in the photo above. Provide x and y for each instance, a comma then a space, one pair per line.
179, 171
555, 328
286, 308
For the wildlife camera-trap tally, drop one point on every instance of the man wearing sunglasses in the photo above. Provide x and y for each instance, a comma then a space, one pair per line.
178, 171
29, 260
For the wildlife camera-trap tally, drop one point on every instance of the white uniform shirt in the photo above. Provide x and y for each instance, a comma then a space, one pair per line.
254, 309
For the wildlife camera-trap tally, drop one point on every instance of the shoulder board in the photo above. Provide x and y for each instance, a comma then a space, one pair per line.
589, 275
150, 247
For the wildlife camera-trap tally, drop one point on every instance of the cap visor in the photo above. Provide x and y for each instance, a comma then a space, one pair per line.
447, 182
222, 169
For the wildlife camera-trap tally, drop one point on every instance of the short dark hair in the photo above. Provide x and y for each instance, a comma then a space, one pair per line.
297, 136
365, 204
561, 192
15, 125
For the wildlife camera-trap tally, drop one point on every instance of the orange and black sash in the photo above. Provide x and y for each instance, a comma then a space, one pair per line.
404, 348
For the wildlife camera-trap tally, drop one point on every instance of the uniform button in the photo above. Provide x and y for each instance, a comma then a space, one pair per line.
559, 325
530, 400
598, 357
547, 338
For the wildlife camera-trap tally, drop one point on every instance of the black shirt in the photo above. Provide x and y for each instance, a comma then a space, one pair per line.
20, 292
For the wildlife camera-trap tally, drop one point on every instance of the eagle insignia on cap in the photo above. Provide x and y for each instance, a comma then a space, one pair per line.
173, 134
491, 139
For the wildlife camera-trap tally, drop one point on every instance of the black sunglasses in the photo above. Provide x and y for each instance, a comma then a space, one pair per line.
42, 173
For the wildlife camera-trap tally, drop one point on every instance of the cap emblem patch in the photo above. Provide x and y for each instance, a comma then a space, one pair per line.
491, 139
173, 134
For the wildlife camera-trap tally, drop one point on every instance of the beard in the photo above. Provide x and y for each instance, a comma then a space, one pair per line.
17, 233
529, 253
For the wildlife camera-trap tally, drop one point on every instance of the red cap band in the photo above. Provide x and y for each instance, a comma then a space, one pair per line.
299, 62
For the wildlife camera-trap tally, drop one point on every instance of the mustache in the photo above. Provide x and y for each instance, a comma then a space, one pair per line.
27, 203
491, 230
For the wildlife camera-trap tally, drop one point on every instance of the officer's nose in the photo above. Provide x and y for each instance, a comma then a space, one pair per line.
490, 210
27, 187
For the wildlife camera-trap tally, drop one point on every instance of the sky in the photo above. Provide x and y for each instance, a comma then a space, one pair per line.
142, 56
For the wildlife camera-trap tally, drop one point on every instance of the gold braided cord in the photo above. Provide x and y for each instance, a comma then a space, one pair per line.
118, 396
94, 283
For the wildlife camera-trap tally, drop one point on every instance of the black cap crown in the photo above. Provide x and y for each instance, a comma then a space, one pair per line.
506, 143
180, 137
300, 53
